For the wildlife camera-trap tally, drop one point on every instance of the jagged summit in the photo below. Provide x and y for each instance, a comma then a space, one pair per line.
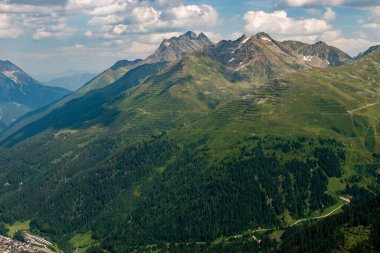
190, 34
176, 48
204, 38
263, 35
262, 54
244, 38
320, 43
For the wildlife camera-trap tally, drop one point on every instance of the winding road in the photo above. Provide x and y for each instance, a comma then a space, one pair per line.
363, 107
346, 200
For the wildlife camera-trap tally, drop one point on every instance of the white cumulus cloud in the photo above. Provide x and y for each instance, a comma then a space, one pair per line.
373, 19
280, 25
145, 15
130, 17
329, 15
7, 29
319, 3
353, 46
119, 29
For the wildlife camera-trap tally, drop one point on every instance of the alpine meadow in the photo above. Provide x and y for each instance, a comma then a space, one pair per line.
232, 127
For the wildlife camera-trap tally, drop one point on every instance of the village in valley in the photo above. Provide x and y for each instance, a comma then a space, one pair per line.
31, 244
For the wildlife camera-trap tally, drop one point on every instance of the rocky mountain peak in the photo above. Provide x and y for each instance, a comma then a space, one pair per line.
263, 35
243, 39
176, 48
190, 34
8, 66
321, 43
204, 38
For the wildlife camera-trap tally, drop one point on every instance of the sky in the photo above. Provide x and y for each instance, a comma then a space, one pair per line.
49, 37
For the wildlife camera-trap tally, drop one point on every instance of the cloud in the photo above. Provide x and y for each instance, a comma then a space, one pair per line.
27, 8
140, 48
36, 18
98, 7
280, 25
85, 5
156, 38
39, 2
145, 15
373, 21
191, 15
7, 29
106, 20
109, 9
52, 32
329, 15
114, 19
353, 46
318, 3
119, 29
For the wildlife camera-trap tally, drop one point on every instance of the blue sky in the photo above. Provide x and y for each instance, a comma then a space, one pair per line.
49, 37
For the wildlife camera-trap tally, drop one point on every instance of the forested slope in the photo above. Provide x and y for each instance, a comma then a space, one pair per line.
184, 153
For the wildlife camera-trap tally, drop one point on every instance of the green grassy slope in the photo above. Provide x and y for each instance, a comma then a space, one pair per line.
155, 157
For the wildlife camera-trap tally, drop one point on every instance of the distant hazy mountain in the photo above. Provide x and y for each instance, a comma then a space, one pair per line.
71, 82
20, 93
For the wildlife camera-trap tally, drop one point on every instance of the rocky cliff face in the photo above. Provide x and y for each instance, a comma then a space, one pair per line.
176, 48
263, 54
318, 55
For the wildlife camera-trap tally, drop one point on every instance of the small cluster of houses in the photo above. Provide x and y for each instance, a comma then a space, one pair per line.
8, 245
32, 244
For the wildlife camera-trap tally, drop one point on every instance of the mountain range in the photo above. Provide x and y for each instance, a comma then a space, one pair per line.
259, 57
170, 50
198, 146
20, 93
71, 81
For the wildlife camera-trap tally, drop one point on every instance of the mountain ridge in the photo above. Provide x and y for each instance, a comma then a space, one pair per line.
368, 51
182, 45
189, 43
152, 158
170, 50
71, 81
20, 93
